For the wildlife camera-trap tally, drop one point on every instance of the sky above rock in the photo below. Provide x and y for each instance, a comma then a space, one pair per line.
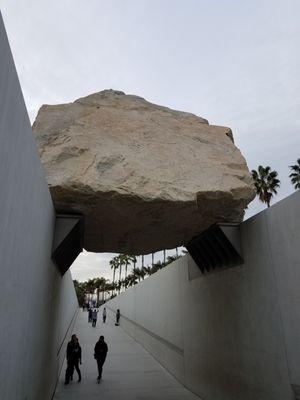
235, 63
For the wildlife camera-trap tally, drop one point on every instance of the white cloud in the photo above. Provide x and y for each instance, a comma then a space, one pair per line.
92, 265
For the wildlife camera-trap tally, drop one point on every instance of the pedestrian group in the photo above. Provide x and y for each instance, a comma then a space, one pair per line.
100, 351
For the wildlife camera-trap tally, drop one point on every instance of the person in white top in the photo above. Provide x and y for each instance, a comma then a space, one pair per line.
95, 312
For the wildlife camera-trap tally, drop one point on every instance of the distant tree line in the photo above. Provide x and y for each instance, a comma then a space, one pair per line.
105, 289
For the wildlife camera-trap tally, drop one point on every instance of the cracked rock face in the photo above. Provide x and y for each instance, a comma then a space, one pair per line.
145, 177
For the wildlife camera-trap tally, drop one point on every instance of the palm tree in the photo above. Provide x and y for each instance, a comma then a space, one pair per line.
155, 268
164, 256
109, 286
90, 287
106, 287
266, 183
142, 273
120, 262
170, 259
114, 286
147, 270
123, 262
132, 259
114, 264
138, 273
100, 285
119, 286
123, 283
152, 258
130, 280
125, 259
80, 292
295, 175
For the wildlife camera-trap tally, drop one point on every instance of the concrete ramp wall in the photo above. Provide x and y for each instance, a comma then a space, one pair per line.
37, 305
232, 334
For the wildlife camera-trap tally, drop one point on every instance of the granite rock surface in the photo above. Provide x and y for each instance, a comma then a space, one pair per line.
144, 176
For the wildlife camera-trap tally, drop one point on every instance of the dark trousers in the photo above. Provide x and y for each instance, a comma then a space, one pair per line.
100, 362
70, 370
94, 322
104, 318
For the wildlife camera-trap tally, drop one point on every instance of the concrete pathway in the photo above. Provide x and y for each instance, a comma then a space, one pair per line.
129, 372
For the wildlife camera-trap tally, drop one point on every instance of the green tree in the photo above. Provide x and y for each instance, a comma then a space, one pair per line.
132, 279
90, 287
295, 175
147, 270
139, 273
125, 260
157, 266
170, 259
121, 263
119, 286
80, 292
106, 287
266, 183
100, 284
114, 264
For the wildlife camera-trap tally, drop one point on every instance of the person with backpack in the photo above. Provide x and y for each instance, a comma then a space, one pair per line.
100, 352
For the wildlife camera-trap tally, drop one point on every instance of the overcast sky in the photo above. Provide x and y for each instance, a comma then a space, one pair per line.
236, 63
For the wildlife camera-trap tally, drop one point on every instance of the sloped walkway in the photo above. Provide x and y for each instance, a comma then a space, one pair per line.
129, 372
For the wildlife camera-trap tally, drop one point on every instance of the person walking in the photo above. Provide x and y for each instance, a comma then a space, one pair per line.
104, 315
95, 315
73, 359
118, 314
100, 352
90, 315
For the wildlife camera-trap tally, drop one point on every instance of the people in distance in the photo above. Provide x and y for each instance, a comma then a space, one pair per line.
104, 315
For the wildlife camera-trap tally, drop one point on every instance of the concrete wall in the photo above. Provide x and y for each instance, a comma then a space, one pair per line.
36, 305
232, 334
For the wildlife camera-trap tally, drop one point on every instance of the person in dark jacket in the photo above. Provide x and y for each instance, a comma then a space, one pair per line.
73, 359
90, 315
118, 314
100, 353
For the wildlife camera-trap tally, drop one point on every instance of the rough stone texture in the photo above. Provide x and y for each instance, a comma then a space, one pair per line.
146, 177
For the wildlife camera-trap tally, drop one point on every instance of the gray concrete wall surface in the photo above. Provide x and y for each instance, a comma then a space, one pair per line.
37, 305
232, 334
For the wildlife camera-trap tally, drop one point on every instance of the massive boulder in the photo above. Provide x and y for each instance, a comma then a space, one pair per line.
145, 177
